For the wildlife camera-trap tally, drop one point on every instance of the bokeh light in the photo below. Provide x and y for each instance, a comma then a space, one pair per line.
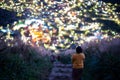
58, 24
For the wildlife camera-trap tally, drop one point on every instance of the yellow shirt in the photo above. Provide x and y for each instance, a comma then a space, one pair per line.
78, 60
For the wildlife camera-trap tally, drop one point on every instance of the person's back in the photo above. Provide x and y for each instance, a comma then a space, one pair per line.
78, 60
77, 63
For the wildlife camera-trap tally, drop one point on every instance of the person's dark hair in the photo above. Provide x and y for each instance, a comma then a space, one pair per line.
79, 50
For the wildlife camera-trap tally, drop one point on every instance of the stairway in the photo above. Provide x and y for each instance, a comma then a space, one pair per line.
61, 71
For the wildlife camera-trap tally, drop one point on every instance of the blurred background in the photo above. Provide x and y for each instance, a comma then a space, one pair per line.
59, 24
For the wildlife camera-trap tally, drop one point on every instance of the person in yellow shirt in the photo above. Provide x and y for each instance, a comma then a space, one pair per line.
77, 63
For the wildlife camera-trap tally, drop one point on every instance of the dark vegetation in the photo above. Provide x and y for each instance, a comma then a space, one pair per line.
109, 25
103, 65
23, 63
8, 17
113, 2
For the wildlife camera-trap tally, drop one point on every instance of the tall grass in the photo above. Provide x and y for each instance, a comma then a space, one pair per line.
23, 62
102, 60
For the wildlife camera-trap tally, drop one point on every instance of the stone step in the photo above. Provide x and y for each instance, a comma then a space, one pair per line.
60, 78
63, 65
62, 70
61, 74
